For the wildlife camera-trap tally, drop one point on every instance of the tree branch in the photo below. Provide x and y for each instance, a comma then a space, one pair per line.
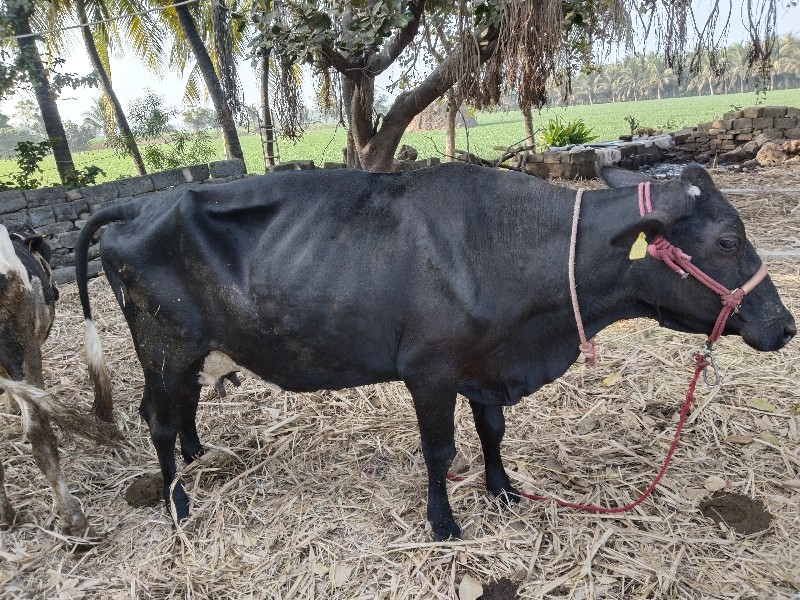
398, 42
442, 78
346, 67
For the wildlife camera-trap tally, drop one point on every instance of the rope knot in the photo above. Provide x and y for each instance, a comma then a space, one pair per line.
701, 361
733, 299
589, 351
661, 249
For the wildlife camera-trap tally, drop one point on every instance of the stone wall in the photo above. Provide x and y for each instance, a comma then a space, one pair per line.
60, 213
735, 129
581, 162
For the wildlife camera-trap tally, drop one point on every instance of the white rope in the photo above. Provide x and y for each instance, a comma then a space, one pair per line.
587, 347
117, 18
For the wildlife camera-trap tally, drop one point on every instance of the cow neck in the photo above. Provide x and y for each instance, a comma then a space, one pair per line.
600, 284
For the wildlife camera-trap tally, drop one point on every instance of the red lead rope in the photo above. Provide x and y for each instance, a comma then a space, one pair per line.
680, 262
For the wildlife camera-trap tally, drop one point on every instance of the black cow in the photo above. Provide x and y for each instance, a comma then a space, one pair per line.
451, 279
27, 309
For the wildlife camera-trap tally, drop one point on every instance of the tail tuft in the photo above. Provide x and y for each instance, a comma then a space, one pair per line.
98, 373
69, 420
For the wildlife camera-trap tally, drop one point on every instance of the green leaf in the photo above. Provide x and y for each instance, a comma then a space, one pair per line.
761, 404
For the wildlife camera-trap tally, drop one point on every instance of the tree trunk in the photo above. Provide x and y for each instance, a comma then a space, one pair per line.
266, 115
230, 138
450, 134
108, 90
376, 148
529, 133
45, 95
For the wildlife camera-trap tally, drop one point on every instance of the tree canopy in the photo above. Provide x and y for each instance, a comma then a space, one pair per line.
494, 46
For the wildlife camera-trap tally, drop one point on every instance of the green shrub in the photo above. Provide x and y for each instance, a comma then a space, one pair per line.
82, 177
29, 155
180, 149
562, 133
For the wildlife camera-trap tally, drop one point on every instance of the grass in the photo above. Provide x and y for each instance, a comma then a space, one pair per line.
494, 129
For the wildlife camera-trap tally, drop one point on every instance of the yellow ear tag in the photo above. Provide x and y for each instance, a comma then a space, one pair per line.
639, 248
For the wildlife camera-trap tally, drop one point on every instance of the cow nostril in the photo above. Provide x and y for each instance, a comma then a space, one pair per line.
789, 332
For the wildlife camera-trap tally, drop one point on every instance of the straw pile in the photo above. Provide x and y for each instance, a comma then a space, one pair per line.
323, 495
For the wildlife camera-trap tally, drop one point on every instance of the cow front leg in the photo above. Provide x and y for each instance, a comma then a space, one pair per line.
7, 513
490, 424
45, 453
435, 407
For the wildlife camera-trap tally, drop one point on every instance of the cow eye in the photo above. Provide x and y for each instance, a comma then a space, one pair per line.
728, 243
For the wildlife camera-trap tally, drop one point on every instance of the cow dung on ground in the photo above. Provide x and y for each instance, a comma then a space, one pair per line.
294, 514
738, 512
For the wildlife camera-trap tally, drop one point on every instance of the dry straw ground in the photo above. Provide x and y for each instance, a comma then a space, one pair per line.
323, 495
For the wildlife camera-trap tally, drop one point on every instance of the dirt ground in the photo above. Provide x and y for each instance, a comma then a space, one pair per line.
323, 495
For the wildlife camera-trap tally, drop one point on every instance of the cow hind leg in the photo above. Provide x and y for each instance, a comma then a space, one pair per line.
191, 447
490, 424
435, 408
159, 409
45, 454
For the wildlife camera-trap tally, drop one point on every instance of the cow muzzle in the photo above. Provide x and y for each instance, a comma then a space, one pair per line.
766, 336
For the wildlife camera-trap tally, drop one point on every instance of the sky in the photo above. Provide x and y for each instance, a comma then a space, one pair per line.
131, 78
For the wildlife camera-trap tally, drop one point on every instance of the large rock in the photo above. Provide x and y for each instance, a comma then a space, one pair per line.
792, 149
771, 153
737, 155
407, 152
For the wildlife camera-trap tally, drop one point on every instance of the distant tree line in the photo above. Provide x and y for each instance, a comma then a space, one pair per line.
648, 78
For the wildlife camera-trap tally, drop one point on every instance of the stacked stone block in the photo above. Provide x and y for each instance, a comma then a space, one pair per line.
579, 162
738, 127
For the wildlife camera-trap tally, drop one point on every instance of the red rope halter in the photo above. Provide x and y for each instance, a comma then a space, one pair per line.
680, 262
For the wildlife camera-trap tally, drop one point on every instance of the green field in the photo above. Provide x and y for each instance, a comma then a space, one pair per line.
494, 129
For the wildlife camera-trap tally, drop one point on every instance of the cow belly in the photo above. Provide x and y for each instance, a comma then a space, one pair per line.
217, 365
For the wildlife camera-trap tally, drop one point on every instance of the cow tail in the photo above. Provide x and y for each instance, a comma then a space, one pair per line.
72, 422
98, 372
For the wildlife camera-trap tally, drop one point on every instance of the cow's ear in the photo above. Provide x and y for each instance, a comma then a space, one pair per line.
616, 177
698, 177
37, 245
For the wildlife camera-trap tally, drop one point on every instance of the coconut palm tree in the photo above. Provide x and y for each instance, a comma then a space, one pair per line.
20, 13
787, 64
99, 59
188, 39
139, 32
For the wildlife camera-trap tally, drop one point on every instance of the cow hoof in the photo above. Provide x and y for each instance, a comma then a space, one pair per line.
446, 531
80, 541
178, 505
190, 454
508, 496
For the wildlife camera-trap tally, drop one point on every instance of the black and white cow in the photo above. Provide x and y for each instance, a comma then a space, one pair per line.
27, 309
451, 279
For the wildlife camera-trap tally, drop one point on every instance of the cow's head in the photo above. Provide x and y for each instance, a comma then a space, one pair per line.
693, 215
38, 248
